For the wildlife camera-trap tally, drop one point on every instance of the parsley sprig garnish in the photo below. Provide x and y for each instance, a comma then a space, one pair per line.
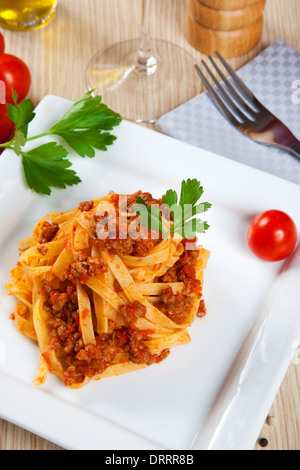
84, 128
183, 211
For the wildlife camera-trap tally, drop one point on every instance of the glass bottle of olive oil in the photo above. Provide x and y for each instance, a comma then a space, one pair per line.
24, 15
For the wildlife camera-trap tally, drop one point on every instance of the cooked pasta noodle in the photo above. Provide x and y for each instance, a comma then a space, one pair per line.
101, 307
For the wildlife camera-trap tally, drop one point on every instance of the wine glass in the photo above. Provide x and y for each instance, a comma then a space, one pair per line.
143, 78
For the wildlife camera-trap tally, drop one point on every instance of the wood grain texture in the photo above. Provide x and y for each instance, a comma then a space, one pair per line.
58, 56
225, 20
228, 4
228, 43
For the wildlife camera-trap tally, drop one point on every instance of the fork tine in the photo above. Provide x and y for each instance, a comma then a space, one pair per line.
226, 98
240, 84
239, 99
217, 100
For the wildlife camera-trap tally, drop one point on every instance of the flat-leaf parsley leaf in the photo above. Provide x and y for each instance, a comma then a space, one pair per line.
85, 127
47, 166
182, 211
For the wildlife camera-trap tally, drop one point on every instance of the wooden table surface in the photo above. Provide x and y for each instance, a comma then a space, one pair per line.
58, 55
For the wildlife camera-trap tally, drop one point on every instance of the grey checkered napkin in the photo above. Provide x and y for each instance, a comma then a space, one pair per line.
273, 76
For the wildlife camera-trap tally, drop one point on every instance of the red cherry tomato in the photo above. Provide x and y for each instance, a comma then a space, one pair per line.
15, 74
2, 44
272, 235
7, 127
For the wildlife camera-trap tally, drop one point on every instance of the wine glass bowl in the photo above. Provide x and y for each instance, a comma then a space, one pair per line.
136, 77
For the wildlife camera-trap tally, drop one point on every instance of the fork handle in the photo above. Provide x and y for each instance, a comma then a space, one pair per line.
279, 135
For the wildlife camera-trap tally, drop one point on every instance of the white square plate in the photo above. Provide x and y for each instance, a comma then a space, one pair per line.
213, 393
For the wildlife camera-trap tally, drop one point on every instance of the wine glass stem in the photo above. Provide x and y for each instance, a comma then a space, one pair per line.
146, 62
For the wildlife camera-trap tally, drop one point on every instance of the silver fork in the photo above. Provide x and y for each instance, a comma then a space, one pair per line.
243, 110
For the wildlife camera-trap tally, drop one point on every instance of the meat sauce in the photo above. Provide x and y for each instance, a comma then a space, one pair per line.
82, 361
61, 303
48, 232
85, 266
123, 242
177, 306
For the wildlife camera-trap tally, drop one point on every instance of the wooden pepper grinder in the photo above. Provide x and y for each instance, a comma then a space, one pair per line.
231, 27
